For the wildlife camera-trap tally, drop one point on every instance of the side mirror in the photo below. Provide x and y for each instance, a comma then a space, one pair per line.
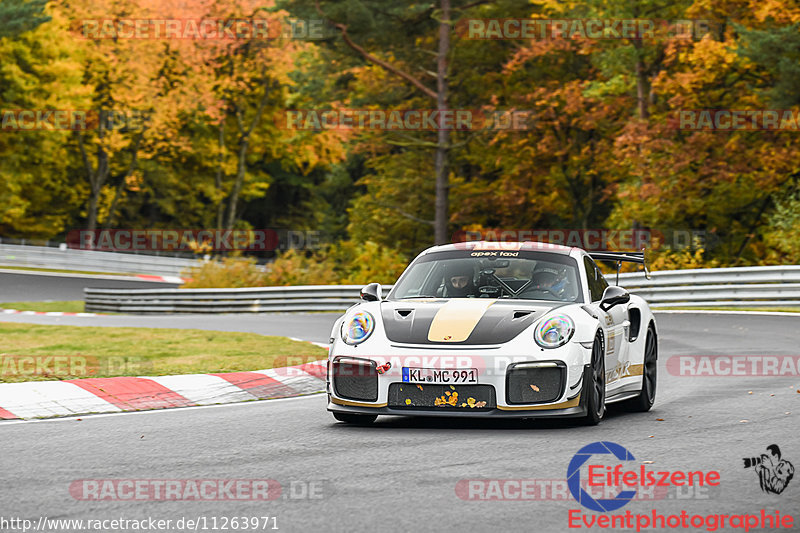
614, 295
372, 292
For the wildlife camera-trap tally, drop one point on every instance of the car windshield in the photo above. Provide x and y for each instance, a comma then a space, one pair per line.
518, 275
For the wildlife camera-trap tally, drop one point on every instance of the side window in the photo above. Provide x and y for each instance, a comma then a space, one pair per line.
596, 281
601, 281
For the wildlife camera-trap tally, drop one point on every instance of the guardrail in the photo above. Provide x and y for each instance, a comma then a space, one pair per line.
746, 286
768, 286
64, 258
256, 300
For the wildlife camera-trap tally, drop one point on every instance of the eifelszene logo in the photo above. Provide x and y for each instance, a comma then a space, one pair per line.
610, 478
774, 473
608, 473
574, 476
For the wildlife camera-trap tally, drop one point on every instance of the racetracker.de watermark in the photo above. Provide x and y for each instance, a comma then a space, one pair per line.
557, 490
16, 120
201, 29
600, 239
197, 489
737, 120
406, 120
175, 489
734, 365
70, 366
560, 29
193, 240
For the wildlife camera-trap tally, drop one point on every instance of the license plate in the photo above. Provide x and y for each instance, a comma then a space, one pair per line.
440, 375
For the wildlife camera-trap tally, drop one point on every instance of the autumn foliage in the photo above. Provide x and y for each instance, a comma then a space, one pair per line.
605, 150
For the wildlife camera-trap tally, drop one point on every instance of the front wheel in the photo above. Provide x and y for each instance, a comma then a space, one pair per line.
595, 389
647, 396
359, 420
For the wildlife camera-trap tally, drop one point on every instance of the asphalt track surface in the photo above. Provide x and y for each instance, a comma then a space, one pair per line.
40, 286
401, 474
315, 327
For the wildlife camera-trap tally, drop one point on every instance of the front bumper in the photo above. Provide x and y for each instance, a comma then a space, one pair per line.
571, 405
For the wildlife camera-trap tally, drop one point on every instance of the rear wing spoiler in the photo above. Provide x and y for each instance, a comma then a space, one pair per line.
619, 257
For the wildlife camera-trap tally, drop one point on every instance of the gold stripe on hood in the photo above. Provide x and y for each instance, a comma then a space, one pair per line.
457, 318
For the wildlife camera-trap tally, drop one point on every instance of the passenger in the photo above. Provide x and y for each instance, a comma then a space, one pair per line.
543, 280
550, 279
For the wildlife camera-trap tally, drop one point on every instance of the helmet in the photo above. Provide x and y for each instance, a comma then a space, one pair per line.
459, 279
549, 277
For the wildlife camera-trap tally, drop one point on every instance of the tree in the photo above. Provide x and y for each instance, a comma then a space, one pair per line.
20, 16
366, 26
38, 70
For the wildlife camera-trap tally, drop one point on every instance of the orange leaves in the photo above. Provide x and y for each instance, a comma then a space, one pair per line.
446, 399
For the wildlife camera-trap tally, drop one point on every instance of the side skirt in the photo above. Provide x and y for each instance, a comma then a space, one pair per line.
625, 392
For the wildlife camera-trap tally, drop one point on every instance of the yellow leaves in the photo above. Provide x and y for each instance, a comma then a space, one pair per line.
680, 259
453, 399
347, 262
201, 247
535, 388
709, 61
443, 400
781, 12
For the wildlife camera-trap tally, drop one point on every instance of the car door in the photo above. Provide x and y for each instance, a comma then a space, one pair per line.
614, 322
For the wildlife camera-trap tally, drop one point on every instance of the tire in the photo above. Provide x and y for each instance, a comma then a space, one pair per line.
359, 420
595, 389
647, 396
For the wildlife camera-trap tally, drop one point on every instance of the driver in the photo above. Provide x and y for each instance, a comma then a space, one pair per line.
550, 279
458, 280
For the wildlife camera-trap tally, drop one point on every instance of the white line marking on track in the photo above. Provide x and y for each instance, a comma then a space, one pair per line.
710, 312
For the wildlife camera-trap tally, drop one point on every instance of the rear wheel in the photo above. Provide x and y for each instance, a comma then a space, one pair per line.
595, 389
647, 396
350, 418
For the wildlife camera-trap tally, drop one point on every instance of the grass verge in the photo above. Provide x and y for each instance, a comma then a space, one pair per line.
81, 352
72, 306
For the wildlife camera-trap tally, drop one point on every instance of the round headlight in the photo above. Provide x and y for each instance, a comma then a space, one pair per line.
554, 332
358, 327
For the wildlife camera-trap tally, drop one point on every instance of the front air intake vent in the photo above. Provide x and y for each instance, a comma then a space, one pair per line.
355, 379
535, 382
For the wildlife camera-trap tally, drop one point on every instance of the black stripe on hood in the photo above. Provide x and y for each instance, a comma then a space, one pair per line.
409, 322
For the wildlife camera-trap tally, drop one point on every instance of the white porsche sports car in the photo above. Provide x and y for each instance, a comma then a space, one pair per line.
488, 329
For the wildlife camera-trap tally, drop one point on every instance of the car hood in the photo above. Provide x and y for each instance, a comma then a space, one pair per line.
460, 321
